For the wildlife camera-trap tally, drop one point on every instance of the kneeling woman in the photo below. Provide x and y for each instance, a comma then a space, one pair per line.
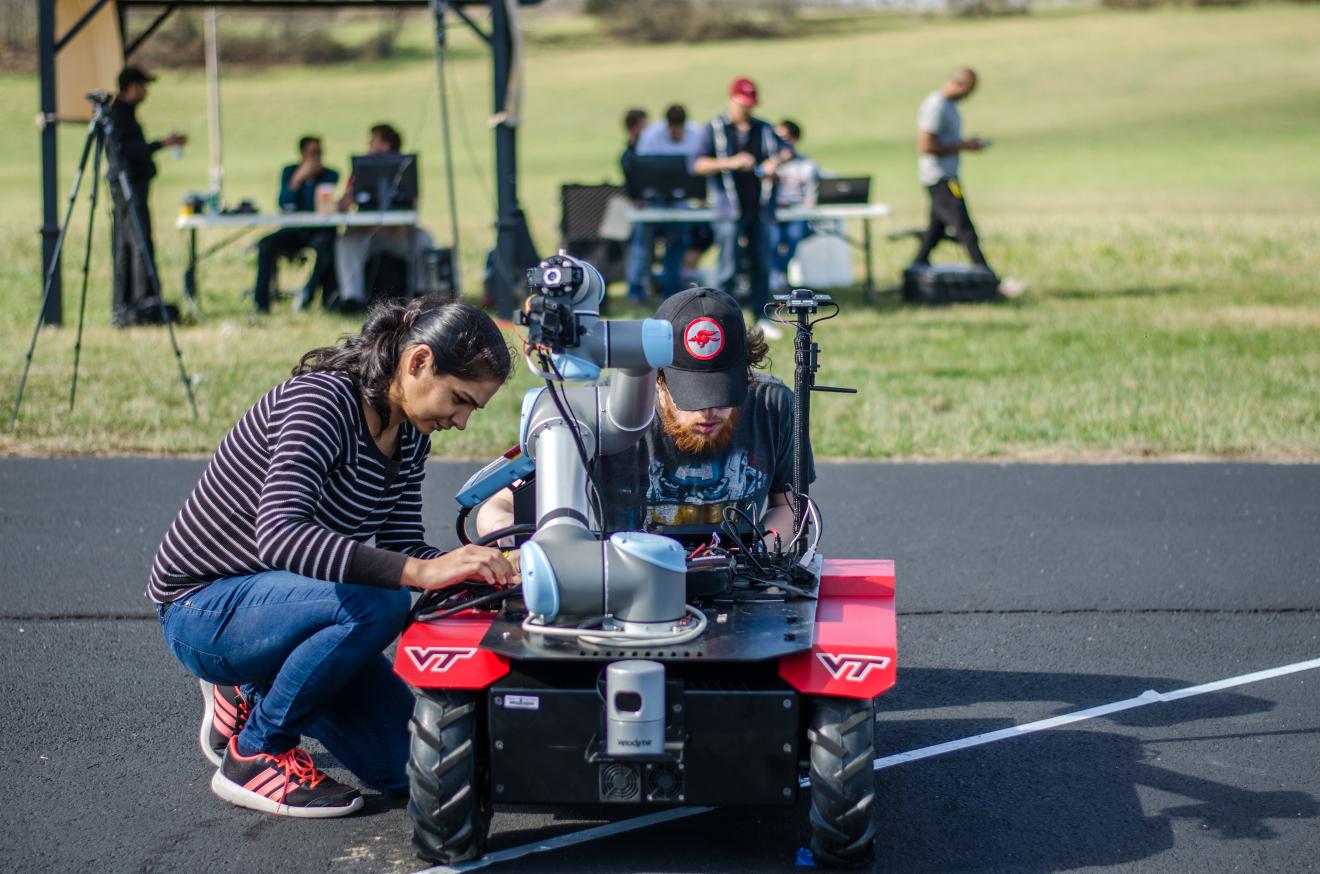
266, 586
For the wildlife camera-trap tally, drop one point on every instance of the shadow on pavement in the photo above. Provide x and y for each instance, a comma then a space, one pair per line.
1067, 798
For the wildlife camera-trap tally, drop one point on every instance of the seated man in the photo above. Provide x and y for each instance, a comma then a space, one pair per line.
356, 245
722, 435
637, 260
298, 184
673, 136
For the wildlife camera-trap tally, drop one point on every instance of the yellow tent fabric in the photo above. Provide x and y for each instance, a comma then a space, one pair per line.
92, 59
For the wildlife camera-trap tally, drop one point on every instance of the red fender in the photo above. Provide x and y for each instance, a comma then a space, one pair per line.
447, 654
855, 650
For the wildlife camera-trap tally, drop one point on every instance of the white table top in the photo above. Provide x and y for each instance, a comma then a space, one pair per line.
297, 220
666, 214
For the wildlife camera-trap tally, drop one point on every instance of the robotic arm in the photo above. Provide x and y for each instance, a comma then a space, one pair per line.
636, 578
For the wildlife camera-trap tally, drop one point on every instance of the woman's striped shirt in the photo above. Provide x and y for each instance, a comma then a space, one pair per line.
300, 485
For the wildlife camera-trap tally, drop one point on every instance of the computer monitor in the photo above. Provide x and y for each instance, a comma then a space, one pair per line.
844, 189
667, 178
386, 181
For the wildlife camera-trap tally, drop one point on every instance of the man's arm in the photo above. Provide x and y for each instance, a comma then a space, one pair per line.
778, 519
288, 191
779, 507
346, 201
706, 166
708, 162
926, 145
496, 513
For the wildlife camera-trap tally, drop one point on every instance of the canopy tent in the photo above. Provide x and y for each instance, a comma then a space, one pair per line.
82, 45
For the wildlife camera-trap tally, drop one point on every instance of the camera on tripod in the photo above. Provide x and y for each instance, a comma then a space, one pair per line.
101, 142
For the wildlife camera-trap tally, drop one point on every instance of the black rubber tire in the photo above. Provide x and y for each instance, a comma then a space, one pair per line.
841, 732
448, 798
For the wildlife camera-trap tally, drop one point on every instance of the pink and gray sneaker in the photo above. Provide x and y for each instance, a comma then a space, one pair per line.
225, 713
286, 784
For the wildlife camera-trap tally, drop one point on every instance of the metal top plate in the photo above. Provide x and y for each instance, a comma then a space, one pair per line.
735, 632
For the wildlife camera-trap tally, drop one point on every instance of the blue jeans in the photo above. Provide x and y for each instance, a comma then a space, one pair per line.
641, 254
753, 240
788, 235
307, 654
288, 243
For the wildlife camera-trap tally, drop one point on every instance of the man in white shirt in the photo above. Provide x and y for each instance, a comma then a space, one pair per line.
798, 179
939, 145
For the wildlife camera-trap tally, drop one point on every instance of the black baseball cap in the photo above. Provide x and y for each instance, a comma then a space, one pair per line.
130, 75
710, 350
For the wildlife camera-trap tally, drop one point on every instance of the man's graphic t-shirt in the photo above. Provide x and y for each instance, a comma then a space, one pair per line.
653, 483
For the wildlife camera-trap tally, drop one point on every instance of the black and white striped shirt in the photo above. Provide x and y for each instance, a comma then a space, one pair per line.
300, 485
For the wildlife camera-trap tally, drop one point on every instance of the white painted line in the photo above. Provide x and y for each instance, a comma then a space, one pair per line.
627, 825
1147, 697
568, 840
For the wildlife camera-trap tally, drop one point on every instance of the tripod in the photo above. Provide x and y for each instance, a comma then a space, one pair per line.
100, 138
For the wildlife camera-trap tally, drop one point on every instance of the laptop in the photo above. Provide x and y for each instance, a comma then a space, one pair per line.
386, 181
666, 179
844, 189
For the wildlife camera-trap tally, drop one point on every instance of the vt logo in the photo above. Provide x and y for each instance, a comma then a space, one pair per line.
438, 658
852, 668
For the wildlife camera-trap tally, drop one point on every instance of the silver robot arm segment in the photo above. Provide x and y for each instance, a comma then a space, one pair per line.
634, 577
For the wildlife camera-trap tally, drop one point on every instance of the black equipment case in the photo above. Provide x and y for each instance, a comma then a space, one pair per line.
938, 284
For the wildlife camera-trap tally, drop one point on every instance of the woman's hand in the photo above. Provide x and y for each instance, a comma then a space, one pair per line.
465, 563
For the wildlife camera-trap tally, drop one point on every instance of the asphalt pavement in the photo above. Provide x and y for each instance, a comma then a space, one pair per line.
1024, 591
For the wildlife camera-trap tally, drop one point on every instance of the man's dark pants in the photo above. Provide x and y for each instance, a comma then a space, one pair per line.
286, 243
948, 209
131, 284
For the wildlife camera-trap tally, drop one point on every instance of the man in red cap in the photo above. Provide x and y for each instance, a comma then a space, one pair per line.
741, 154
722, 435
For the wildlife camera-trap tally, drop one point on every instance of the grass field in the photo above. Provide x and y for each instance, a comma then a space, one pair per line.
1154, 176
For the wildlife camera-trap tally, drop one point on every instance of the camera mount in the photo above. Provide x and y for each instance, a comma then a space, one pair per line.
803, 304
101, 140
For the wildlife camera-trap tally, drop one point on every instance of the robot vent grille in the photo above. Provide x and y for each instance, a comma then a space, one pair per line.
619, 783
664, 784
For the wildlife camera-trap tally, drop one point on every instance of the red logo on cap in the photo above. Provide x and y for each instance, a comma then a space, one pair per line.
704, 338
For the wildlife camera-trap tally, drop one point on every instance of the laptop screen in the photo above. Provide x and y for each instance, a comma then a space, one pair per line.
844, 189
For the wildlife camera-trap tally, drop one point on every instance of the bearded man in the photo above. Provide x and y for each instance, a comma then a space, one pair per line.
722, 435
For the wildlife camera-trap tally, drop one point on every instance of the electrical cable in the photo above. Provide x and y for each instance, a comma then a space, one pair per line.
489, 598
460, 525
610, 637
787, 587
819, 524
802, 526
443, 89
433, 598
478, 170
501, 533
570, 420
814, 322
422, 610
813, 514
757, 530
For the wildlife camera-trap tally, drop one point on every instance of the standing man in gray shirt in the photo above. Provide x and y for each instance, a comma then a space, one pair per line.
939, 145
